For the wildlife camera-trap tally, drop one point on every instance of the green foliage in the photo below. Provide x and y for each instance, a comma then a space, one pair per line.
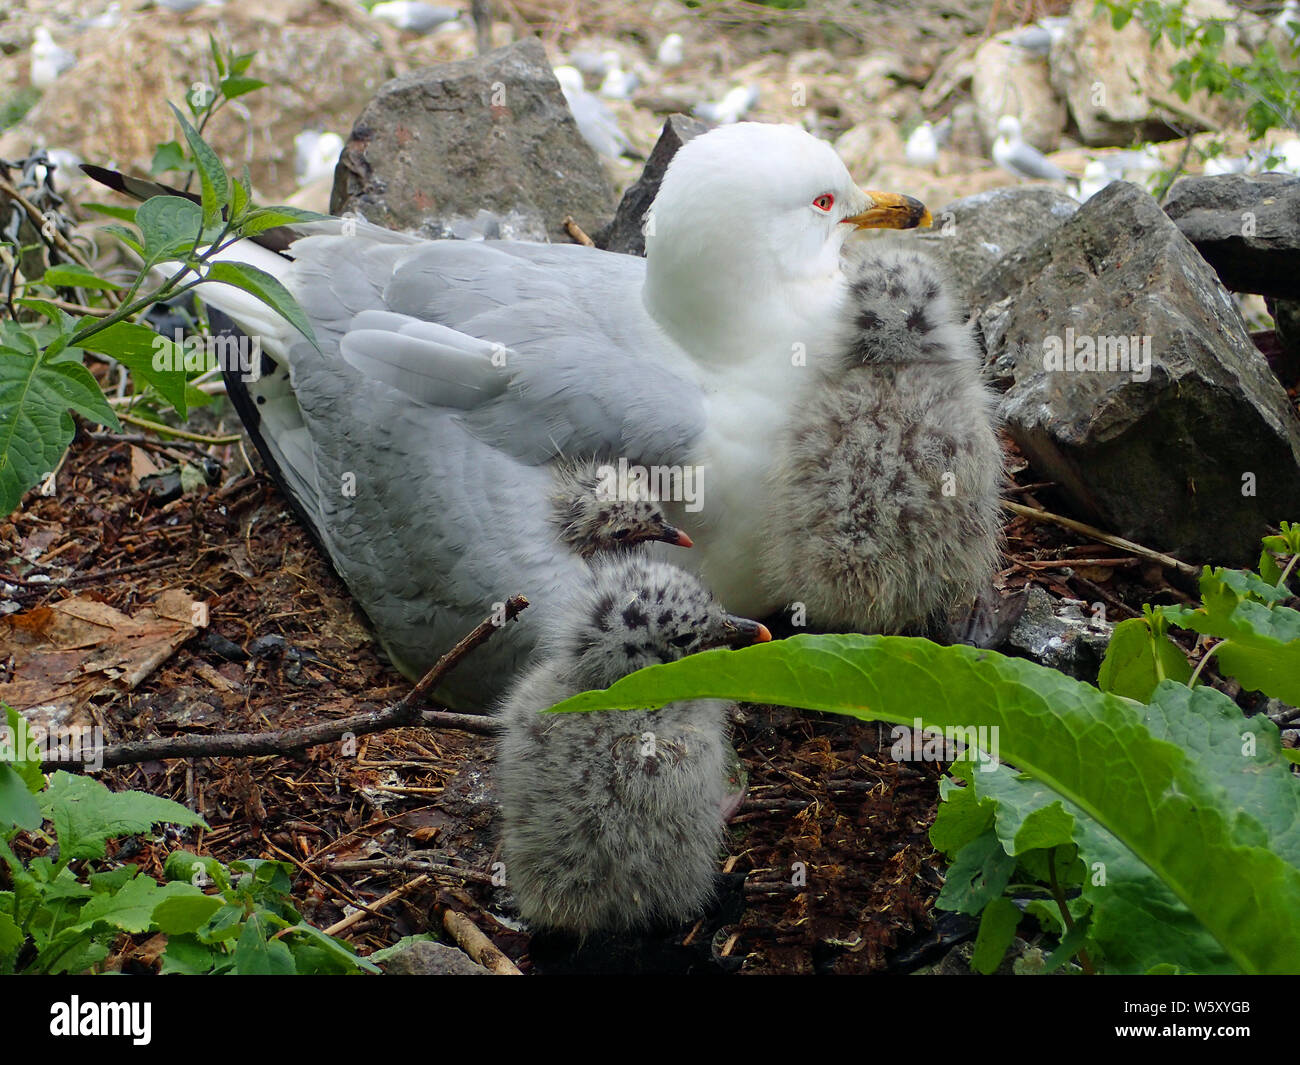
63, 914
1267, 81
1156, 832
42, 373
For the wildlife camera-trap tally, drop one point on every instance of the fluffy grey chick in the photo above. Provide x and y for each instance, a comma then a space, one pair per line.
613, 819
594, 513
885, 507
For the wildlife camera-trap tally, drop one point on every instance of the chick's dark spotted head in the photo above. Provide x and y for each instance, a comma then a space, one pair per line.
593, 519
640, 613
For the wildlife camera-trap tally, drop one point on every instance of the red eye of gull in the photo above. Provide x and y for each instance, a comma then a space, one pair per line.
824, 202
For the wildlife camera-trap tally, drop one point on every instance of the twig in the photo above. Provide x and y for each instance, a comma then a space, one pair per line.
479, 723
39, 220
576, 232
181, 434
474, 943
1098, 534
246, 744
406, 865
363, 911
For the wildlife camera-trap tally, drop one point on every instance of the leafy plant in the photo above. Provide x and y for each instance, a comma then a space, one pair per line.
62, 913
1154, 833
42, 371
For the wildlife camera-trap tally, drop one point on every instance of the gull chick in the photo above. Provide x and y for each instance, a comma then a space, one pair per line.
594, 512
884, 512
613, 819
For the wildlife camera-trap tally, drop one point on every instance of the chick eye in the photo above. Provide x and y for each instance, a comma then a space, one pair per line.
824, 202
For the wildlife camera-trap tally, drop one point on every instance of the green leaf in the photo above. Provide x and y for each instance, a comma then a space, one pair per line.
979, 874
18, 807
20, 751
1137, 660
169, 156
267, 289
127, 214
213, 182
265, 218
238, 85
218, 60
997, 929
240, 63
70, 275
257, 953
86, 814
338, 951
131, 908
150, 357
171, 226
35, 428
185, 912
186, 956
1091, 748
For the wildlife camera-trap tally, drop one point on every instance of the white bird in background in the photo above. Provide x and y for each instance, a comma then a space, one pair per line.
1037, 38
48, 59
1017, 156
315, 154
414, 16
731, 108
596, 122
672, 51
618, 84
922, 148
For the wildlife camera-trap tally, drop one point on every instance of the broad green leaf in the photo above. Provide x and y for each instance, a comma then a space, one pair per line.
20, 750
18, 807
35, 428
170, 225
86, 814
257, 953
1089, 747
214, 185
150, 356
70, 275
979, 874
131, 908
266, 288
186, 956
339, 951
998, 926
185, 911
1137, 660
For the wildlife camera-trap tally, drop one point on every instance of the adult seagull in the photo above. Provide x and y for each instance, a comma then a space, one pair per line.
416, 441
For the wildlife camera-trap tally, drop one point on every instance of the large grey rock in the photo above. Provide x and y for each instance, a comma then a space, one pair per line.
483, 146
625, 234
1194, 453
432, 959
972, 235
1247, 226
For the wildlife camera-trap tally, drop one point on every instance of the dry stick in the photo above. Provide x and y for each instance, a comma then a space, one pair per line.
1098, 534
39, 220
182, 434
245, 744
379, 903
474, 943
576, 232
406, 865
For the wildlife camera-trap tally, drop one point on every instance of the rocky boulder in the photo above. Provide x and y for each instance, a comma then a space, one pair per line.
972, 235
1134, 384
484, 146
1247, 226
